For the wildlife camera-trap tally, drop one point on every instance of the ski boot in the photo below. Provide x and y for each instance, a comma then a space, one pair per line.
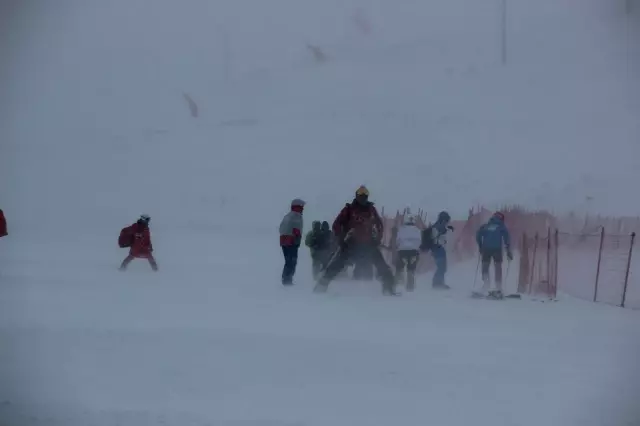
321, 286
389, 291
411, 282
495, 295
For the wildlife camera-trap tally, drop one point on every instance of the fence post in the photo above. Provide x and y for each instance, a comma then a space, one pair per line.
595, 290
523, 274
626, 275
503, 25
548, 261
533, 261
555, 272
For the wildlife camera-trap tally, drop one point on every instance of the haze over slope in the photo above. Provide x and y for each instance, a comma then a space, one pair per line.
94, 130
94, 126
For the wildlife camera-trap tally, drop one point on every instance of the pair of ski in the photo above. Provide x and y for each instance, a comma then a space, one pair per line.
320, 288
494, 295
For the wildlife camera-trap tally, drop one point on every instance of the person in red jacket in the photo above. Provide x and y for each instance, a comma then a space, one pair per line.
140, 243
3, 225
358, 230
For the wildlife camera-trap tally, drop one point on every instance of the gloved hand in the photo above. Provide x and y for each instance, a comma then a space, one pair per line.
509, 255
344, 241
450, 228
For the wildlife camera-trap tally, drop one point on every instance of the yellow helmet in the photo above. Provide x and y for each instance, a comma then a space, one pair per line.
362, 191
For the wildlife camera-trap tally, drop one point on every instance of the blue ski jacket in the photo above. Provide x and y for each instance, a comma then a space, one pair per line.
492, 235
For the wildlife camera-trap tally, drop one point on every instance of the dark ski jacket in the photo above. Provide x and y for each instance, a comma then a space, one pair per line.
492, 235
362, 221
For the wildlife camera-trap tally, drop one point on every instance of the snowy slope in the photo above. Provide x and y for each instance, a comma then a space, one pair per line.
94, 130
89, 346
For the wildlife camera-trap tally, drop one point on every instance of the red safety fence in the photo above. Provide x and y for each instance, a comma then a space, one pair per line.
588, 257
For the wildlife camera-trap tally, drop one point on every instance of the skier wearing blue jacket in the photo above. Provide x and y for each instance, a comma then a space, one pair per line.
491, 237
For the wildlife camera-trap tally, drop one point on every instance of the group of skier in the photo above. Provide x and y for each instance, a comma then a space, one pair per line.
356, 236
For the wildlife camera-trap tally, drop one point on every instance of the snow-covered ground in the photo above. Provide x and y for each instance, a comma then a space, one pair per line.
94, 130
214, 339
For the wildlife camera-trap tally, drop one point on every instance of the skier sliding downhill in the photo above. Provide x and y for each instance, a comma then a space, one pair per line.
358, 229
490, 238
408, 242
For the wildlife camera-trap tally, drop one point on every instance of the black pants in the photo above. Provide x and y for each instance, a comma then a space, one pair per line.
316, 265
408, 259
290, 262
363, 267
339, 259
319, 260
487, 256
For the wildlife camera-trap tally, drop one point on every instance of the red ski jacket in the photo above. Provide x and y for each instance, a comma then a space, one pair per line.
141, 246
364, 220
3, 225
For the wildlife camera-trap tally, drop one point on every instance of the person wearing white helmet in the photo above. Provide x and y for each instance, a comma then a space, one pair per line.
408, 240
290, 238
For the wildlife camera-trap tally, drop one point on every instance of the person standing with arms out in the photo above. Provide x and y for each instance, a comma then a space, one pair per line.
138, 238
408, 241
491, 237
358, 229
290, 239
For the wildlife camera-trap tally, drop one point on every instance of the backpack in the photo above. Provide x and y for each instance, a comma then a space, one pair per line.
426, 242
126, 237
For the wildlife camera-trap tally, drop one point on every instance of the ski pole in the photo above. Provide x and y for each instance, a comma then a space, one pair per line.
475, 277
